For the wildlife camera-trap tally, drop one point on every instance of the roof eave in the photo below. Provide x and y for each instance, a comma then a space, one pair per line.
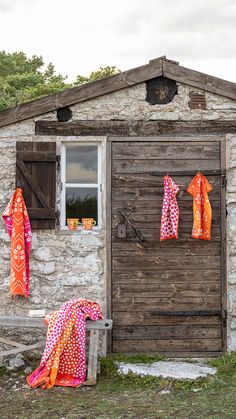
155, 68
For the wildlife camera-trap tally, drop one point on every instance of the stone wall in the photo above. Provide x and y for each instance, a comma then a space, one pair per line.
130, 103
68, 265
231, 240
63, 265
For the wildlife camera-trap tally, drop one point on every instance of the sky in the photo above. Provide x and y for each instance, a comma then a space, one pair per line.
80, 36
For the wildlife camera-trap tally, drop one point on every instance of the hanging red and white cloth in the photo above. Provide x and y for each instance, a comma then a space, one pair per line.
170, 210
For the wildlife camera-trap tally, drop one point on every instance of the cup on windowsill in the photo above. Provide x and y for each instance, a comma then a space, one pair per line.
72, 223
88, 223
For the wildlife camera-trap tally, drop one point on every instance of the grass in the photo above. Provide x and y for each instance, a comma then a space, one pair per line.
121, 397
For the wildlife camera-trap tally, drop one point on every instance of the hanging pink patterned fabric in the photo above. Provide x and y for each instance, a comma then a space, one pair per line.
170, 210
63, 362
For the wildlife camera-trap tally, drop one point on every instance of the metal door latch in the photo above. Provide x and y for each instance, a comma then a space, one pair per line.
137, 232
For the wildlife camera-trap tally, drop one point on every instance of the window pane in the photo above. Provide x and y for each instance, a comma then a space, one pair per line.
82, 203
81, 164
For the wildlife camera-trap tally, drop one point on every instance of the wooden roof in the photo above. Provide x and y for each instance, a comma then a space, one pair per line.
158, 67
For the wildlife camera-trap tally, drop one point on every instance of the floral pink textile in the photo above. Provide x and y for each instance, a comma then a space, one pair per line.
64, 362
18, 226
170, 210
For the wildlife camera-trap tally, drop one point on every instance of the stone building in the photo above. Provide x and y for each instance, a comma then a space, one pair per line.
101, 151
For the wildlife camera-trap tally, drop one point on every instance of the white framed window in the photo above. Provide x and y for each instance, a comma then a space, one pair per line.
81, 184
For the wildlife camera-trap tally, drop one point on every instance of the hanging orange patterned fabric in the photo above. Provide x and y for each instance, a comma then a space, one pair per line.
202, 212
17, 223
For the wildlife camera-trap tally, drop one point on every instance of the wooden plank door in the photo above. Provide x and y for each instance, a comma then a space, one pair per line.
166, 296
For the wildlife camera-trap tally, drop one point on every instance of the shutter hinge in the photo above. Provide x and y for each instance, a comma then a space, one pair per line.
57, 213
224, 181
58, 160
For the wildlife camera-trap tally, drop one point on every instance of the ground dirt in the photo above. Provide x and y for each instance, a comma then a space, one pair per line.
120, 398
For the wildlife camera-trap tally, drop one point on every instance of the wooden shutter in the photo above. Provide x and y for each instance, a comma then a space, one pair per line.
36, 174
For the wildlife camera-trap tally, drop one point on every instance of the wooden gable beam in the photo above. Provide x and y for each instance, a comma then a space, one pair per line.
81, 93
199, 80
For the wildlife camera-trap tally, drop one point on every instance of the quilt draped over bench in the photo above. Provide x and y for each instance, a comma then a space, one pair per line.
63, 362
18, 226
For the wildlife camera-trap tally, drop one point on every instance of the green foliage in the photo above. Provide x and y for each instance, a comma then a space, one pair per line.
96, 75
81, 207
139, 358
226, 365
109, 369
23, 79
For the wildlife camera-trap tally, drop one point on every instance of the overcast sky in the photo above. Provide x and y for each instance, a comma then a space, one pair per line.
80, 36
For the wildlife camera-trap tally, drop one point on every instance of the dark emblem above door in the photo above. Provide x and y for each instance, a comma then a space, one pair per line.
160, 90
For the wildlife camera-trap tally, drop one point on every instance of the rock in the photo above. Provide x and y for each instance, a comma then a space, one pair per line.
168, 369
16, 362
164, 391
20, 356
28, 370
9, 368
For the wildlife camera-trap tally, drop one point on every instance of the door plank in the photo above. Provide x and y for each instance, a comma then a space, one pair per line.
166, 332
173, 345
140, 166
124, 318
165, 151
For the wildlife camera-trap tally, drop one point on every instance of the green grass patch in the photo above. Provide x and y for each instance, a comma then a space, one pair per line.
139, 358
224, 362
126, 396
3, 371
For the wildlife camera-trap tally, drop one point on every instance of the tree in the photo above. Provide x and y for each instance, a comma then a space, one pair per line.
96, 75
23, 79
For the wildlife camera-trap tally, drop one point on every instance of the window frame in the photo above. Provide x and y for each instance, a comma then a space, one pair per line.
64, 184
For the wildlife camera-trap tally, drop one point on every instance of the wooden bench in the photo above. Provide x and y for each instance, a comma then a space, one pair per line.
23, 321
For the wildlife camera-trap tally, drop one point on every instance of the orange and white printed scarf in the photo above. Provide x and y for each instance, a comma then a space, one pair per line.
202, 212
18, 226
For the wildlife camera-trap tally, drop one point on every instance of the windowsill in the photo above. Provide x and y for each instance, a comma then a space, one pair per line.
80, 232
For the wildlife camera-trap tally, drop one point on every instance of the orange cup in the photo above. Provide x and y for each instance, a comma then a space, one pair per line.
88, 223
72, 223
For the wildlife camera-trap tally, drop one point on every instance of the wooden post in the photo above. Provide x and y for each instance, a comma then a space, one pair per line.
93, 358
